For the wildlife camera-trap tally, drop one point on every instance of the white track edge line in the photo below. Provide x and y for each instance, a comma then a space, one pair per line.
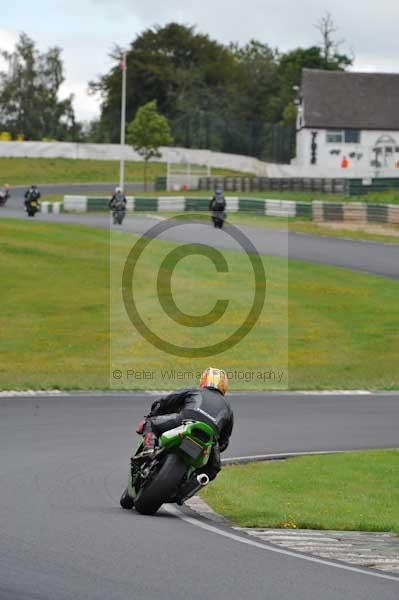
249, 542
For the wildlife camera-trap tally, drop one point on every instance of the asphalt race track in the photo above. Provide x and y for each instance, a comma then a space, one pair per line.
64, 462
63, 535
369, 257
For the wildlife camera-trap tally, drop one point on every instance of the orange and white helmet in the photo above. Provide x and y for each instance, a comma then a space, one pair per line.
215, 379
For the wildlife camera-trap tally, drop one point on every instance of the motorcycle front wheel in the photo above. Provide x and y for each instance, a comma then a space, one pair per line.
162, 487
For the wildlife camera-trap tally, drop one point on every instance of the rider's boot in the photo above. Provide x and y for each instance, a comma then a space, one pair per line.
149, 444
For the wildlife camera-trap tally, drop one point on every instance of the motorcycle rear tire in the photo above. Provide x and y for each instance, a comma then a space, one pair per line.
163, 487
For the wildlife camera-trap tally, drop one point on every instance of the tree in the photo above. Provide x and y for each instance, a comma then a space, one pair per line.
232, 98
330, 46
184, 71
147, 132
29, 88
289, 75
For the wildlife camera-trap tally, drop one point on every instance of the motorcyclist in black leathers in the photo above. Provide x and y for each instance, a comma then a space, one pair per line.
206, 403
32, 194
217, 206
4, 194
118, 200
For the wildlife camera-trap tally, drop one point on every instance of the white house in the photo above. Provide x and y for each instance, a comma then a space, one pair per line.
348, 124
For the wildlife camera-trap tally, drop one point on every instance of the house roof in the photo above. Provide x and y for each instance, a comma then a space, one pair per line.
336, 99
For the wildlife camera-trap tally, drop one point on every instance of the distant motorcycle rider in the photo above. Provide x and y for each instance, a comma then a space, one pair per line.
32, 195
217, 206
4, 194
206, 403
117, 204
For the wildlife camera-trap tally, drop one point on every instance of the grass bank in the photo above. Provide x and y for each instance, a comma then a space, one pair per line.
351, 491
54, 317
25, 171
325, 328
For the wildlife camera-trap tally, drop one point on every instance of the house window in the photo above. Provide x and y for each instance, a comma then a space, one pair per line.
352, 136
334, 137
347, 136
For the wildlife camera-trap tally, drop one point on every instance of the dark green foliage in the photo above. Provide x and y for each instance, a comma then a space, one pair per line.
29, 103
227, 98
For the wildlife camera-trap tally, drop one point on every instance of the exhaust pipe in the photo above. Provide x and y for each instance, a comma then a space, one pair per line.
203, 479
193, 486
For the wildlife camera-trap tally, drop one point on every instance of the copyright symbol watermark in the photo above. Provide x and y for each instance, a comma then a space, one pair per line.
164, 289
117, 374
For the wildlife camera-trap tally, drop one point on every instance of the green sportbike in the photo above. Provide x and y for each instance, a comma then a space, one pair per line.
173, 474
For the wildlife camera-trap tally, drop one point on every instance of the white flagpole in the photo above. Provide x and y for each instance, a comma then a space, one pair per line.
123, 123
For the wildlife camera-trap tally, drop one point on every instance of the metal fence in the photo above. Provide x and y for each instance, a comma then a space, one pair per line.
359, 187
264, 184
266, 141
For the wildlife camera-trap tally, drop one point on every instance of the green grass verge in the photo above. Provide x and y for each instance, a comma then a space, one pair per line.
351, 491
25, 171
342, 332
307, 226
54, 317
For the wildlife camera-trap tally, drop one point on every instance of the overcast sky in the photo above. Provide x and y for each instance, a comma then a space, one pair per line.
88, 29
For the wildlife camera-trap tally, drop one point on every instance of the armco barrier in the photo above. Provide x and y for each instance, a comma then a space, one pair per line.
97, 204
393, 214
356, 212
251, 205
280, 208
304, 209
75, 203
317, 212
52, 207
333, 211
351, 212
272, 208
377, 213
195, 204
145, 204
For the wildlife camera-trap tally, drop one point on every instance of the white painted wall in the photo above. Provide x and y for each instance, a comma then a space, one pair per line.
359, 166
236, 162
327, 165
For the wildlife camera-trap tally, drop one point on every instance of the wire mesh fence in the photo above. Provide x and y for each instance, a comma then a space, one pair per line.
269, 142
